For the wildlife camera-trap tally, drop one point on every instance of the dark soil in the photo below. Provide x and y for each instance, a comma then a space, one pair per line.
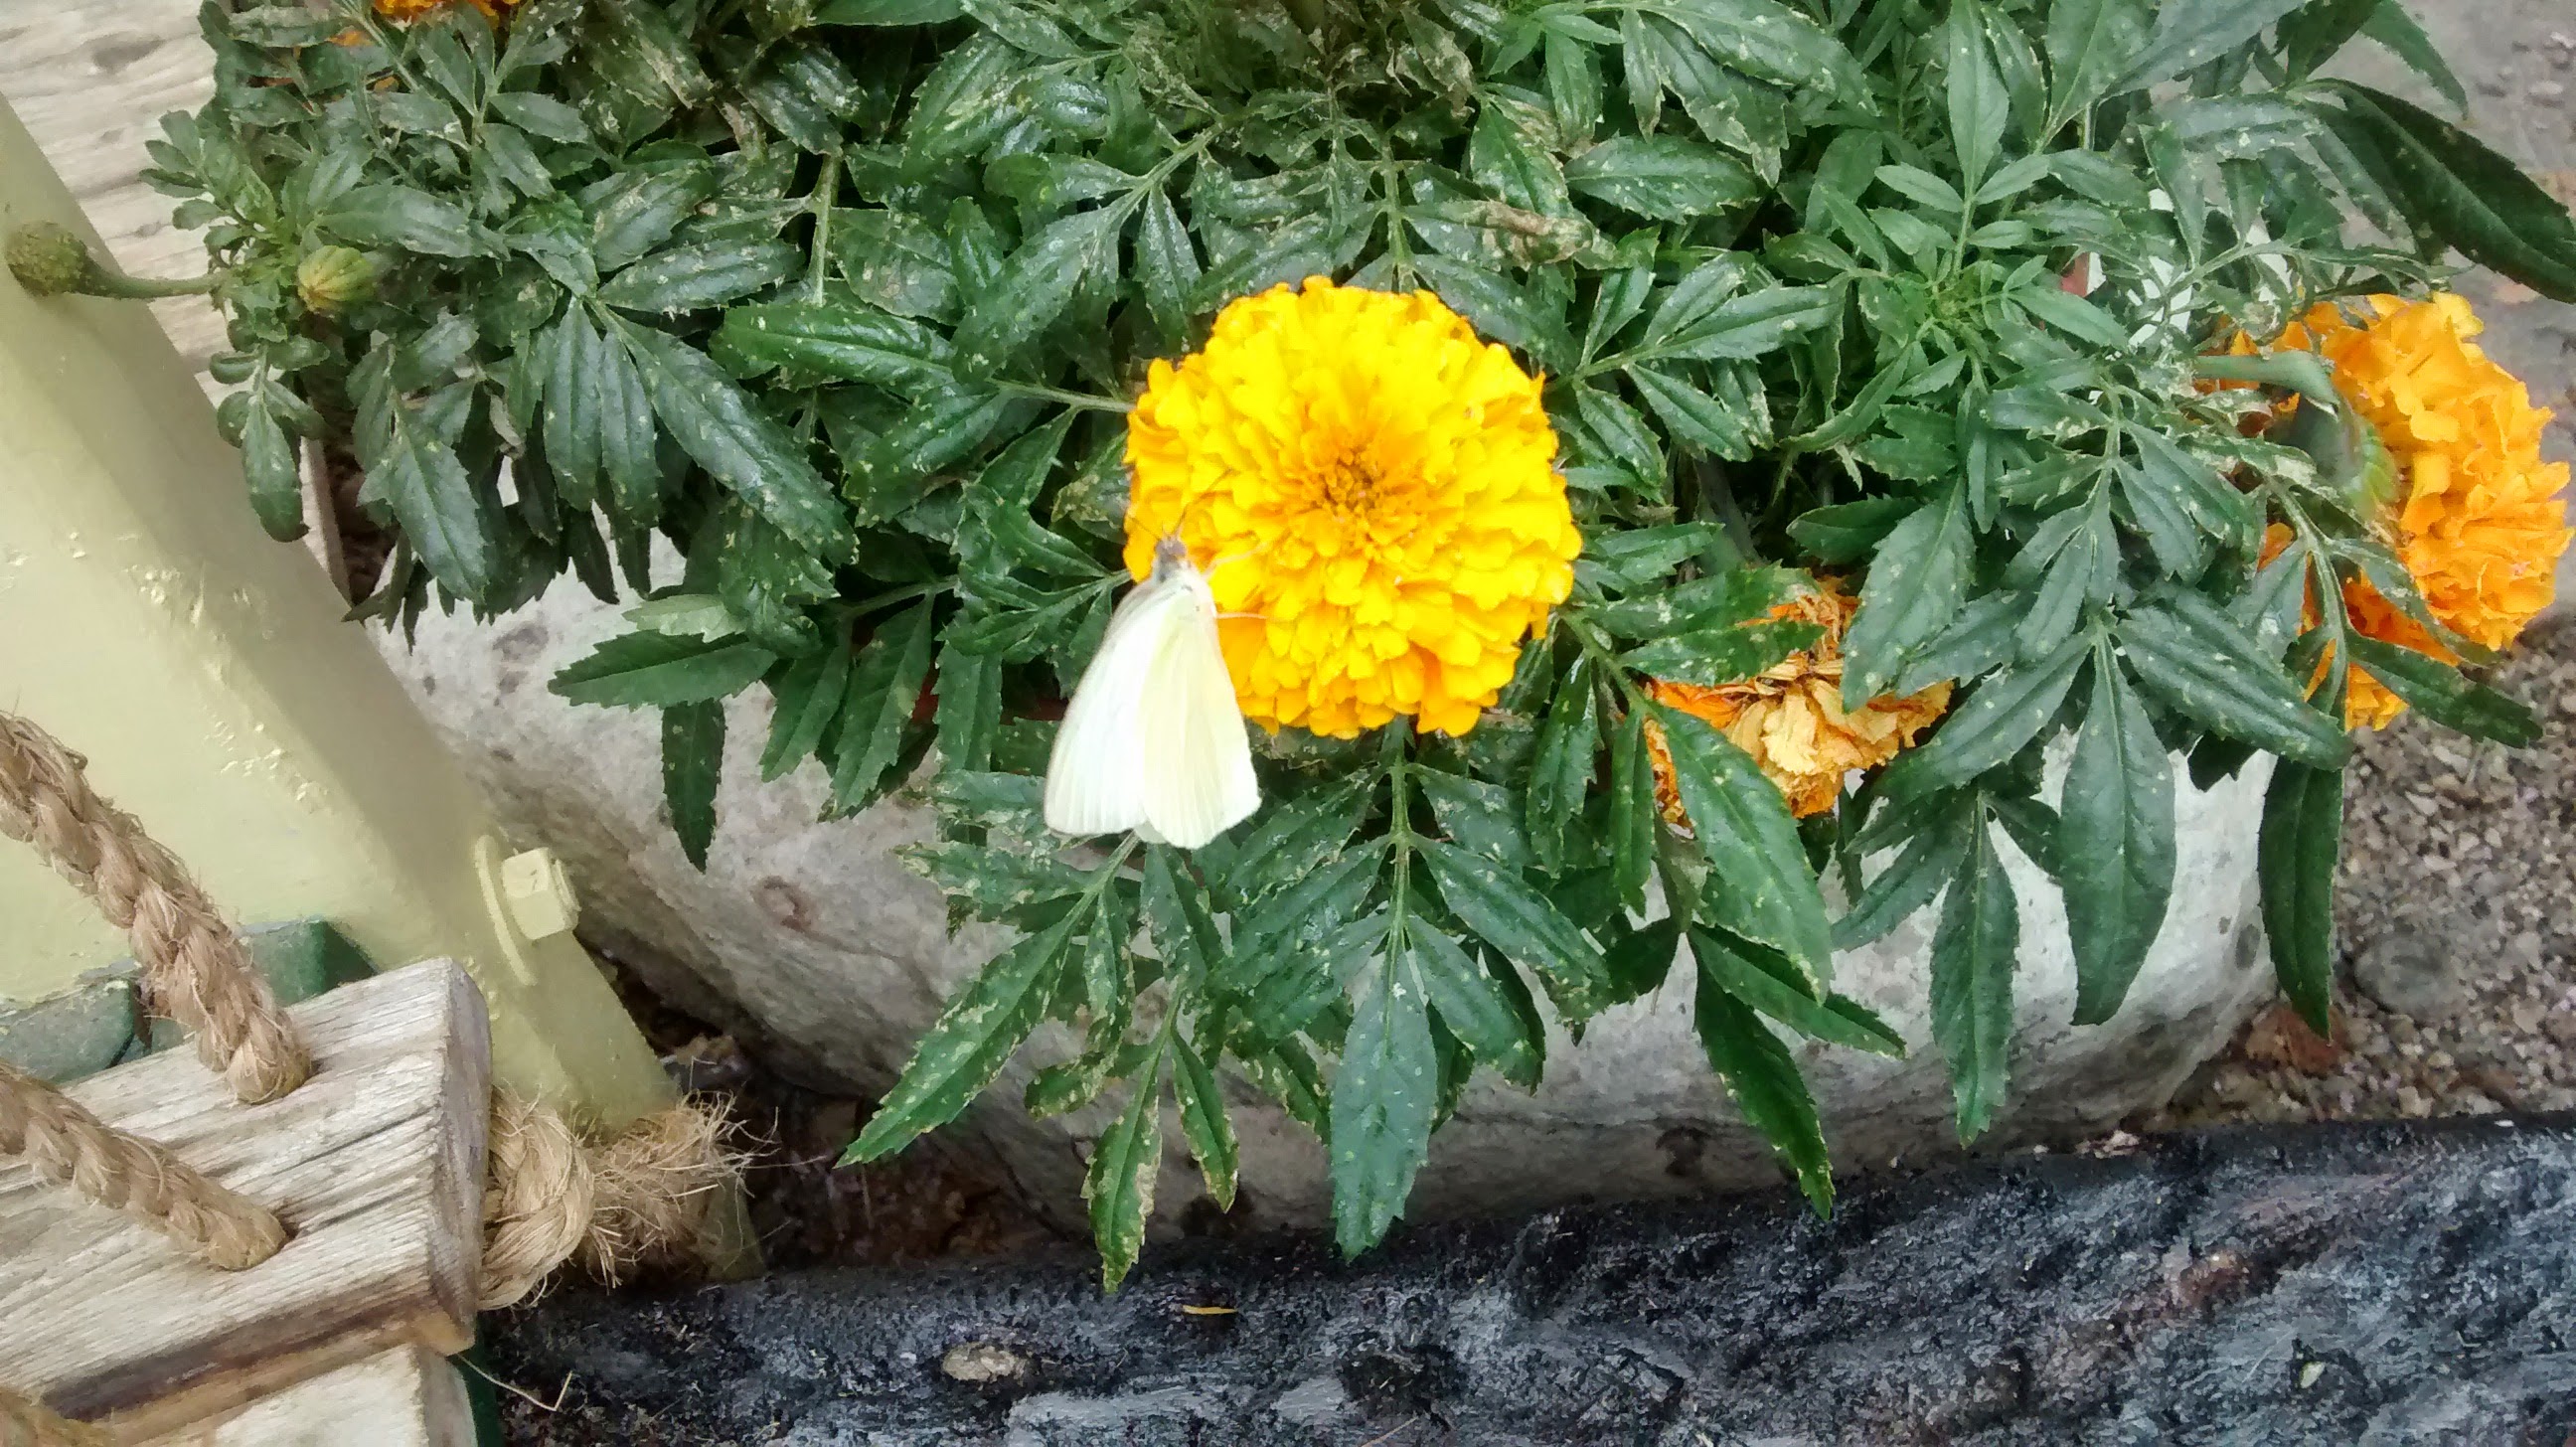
930, 1202
2384, 1285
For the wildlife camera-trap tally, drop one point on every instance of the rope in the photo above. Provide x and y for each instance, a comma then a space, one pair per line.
549, 1198
69, 1146
195, 968
26, 1423
643, 1197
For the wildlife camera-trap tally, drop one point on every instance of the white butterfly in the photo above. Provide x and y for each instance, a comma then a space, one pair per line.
1153, 740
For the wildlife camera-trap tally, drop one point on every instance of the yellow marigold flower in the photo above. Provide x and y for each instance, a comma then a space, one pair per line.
2480, 521
1372, 493
1791, 719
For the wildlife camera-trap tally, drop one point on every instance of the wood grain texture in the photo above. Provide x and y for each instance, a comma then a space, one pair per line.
375, 1164
90, 80
406, 1396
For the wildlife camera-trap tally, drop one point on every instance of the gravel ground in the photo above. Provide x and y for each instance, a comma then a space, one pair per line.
2455, 929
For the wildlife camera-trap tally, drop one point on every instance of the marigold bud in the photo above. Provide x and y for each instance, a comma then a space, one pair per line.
331, 277
49, 259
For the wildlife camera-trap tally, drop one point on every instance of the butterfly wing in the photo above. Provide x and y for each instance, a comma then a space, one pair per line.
1096, 773
1197, 761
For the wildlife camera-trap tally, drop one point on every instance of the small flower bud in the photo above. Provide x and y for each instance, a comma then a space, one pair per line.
50, 260
331, 277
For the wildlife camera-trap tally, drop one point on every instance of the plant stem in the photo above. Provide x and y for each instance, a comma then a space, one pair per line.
114, 283
1399, 832
900, 595
825, 190
1092, 400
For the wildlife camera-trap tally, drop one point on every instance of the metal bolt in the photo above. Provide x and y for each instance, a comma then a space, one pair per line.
539, 894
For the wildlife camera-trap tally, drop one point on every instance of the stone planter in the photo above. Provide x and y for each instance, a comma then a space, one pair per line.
825, 954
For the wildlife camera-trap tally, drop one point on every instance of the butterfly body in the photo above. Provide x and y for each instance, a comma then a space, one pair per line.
1154, 740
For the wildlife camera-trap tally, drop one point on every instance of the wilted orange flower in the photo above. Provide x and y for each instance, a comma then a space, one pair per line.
1372, 492
1791, 719
405, 11
2480, 521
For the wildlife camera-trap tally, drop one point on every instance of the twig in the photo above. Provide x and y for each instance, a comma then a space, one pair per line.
531, 1398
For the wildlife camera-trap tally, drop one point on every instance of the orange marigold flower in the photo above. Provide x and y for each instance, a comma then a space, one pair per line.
403, 12
2480, 521
1372, 493
1790, 718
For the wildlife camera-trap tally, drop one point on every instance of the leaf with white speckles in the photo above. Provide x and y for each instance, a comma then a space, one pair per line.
1383, 1099
1522, 926
971, 1041
1119, 1183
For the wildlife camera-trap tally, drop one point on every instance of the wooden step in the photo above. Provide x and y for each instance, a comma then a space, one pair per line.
376, 1166
407, 1396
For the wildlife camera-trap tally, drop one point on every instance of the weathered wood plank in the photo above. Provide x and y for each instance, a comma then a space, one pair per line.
376, 1165
407, 1396
90, 80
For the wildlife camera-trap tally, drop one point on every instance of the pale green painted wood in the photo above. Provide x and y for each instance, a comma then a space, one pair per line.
206, 672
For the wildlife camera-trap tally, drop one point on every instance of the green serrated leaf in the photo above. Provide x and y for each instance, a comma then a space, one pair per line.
1760, 887
2197, 660
1763, 1080
1770, 984
1521, 926
967, 1046
388, 214
851, 343
2295, 858
1119, 1183
1478, 816
636, 211
2391, 26
1667, 178
1383, 1099
1729, 424
2115, 843
2090, 43
1569, 740
1476, 1008
884, 689
687, 278
970, 707
692, 761
1973, 954
1846, 532
1909, 882
1635, 813
2475, 199
2191, 33
270, 467
805, 698
1205, 1124
1721, 655
1167, 266
657, 670
1917, 581
413, 471
1979, 106
2437, 689
1036, 285
717, 425
1999, 719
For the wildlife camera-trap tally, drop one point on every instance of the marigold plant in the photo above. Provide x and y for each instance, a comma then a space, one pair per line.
912, 324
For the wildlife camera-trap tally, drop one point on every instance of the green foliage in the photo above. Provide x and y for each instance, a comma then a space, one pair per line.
845, 300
